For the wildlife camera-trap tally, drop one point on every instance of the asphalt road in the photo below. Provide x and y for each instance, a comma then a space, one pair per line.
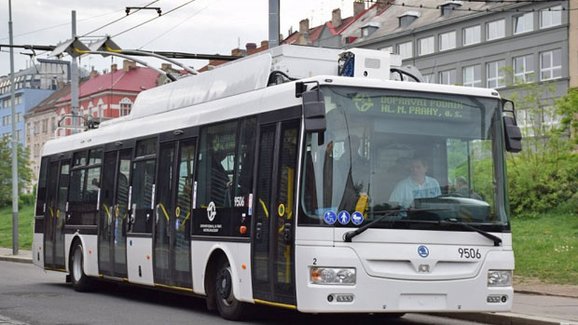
29, 295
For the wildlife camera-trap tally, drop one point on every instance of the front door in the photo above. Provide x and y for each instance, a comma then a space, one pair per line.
55, 215
172, 228
114, 213
273, 242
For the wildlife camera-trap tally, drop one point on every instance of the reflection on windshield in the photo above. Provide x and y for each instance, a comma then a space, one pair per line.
428, 154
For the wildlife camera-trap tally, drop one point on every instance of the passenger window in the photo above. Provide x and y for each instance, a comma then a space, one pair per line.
216, 165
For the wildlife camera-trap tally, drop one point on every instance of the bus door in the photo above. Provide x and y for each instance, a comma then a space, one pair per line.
273, 240
114, 213
172, 224
55, 214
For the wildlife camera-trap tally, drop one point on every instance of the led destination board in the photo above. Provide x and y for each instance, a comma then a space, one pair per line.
412, 107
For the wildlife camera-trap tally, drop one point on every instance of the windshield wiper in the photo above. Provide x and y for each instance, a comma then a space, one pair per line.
350, 234
497, 240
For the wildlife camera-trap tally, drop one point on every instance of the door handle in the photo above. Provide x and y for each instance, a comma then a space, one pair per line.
287, 233
258, 231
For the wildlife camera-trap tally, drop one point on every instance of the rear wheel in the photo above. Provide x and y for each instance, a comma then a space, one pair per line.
80, 282
227, 305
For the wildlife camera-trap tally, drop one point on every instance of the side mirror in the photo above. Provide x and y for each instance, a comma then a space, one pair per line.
512, 133
314, 111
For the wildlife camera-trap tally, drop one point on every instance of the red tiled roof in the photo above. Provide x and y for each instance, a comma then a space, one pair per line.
135, 80
315, 32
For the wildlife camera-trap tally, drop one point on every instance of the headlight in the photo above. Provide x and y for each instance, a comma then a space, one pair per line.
499, 278
332, 275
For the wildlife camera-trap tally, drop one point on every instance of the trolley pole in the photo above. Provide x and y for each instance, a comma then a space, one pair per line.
74, 83
274, 23
14, 139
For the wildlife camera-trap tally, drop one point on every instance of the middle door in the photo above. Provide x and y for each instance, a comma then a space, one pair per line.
172, 228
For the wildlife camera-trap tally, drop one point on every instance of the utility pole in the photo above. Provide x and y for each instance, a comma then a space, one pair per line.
14, 139
74, 81
274, 23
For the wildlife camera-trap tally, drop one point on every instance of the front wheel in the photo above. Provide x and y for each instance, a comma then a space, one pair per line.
227, 305
80, 282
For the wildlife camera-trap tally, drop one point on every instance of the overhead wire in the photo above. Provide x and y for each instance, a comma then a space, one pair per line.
175, 26
159, 16
117, 20
57, 26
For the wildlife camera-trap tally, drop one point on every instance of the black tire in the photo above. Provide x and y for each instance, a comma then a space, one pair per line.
227, 305
80, 282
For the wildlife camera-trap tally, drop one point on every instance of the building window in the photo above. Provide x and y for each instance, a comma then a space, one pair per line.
429, 78
550, 118
472, 35
388, 49
426, 45
523, 69
36, 129
495, 74
125, 109
551, 64
448, 41
405, 50
45, 126
496, 29
524, 23
551, 17
472, 76
448, 77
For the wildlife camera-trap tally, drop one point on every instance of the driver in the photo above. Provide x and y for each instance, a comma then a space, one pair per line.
416, 186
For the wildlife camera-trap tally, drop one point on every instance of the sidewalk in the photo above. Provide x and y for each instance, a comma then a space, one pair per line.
535, 303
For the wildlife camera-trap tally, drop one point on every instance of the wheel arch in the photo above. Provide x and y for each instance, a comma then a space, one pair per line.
218, 253
76, 238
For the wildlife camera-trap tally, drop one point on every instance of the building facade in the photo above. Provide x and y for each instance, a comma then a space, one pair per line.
32, 85
101, 97
493, 44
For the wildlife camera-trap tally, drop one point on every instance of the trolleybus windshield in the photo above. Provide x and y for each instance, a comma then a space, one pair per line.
431, 156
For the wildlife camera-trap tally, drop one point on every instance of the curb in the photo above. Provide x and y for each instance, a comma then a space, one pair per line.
17, 259
504, 318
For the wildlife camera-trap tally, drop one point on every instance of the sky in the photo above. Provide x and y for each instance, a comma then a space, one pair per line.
199, 26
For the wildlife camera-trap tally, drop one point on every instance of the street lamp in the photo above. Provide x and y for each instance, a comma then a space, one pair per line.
14, 139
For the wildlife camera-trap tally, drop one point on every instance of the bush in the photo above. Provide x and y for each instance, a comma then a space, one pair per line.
543, 185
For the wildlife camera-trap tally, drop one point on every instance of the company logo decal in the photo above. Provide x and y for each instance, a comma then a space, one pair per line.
211, 211
423, 251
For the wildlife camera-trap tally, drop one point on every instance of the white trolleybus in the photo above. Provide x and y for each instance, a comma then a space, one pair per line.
301, 178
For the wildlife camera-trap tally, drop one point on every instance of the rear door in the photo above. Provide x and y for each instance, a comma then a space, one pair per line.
114, 213
55, 214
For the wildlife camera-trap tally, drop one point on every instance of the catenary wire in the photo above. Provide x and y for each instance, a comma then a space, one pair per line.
117, 20
148, 21
176, 26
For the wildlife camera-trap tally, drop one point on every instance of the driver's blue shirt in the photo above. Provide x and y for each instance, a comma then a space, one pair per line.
407, 190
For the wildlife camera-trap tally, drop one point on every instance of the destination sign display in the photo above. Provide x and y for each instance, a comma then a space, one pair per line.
412, 107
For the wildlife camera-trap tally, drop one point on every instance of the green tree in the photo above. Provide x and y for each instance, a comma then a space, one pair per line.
568, 109
544, 175
24, 171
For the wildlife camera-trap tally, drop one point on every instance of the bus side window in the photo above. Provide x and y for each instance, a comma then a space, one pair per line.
216, 165
143, 183
41, 197
84, 186
245, 158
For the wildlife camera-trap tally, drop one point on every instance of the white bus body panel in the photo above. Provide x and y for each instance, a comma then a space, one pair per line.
38, 250
139, 260
389, 277
238, 254
90, 249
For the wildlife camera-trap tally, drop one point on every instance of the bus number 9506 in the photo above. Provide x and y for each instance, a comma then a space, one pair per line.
472, 253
